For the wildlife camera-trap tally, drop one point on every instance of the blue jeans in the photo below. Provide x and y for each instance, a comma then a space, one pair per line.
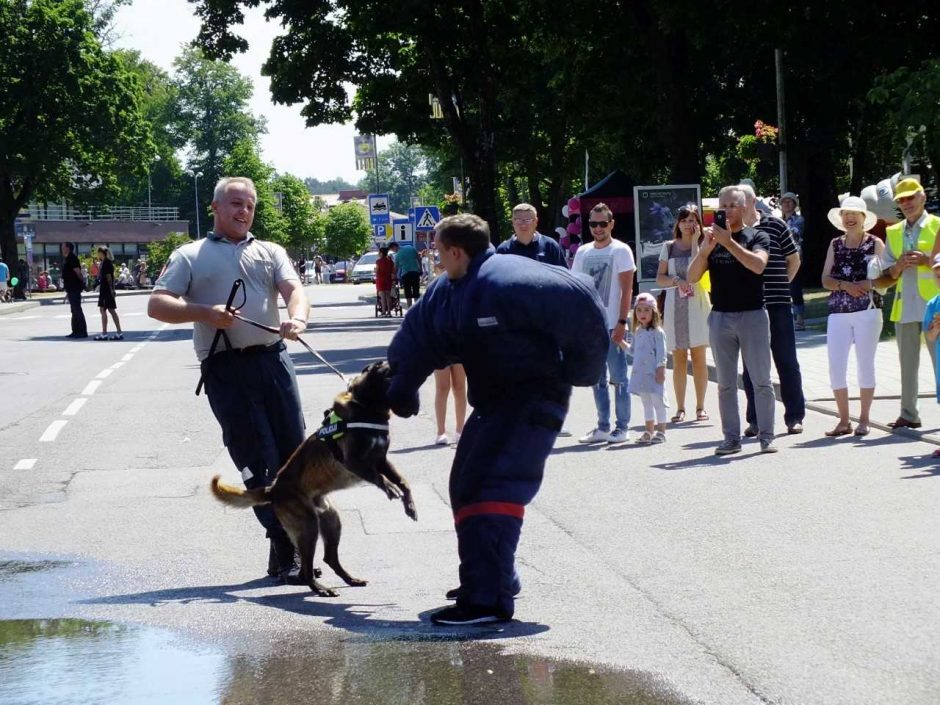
617, 374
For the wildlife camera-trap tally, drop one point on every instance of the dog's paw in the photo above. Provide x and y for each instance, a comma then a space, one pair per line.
357, 582
410, 509
392, 491
321, 591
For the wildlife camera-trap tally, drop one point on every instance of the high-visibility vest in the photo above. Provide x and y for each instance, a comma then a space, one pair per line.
926, 284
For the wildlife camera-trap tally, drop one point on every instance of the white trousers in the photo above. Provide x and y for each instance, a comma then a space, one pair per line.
842, 329
654, 406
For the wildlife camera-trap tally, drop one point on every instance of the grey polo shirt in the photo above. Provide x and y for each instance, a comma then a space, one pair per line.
203, 272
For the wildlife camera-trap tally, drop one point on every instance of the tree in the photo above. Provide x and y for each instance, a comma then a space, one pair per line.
304, 224
347, 232
212, 112
70, 121
244, 161
321, 188
159, 252
402, 174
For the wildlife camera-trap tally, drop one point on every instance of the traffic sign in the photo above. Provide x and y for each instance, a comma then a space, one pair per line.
378, 209
426, 217
402, 230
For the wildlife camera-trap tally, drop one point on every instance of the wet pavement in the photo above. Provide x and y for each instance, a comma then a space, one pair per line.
45, 661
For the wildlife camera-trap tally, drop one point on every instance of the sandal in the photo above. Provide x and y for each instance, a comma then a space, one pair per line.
840, 431
645, 439
862, 429
679, 417
101, 336
701, 415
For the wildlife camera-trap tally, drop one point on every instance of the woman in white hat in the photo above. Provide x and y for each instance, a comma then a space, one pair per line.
852, 262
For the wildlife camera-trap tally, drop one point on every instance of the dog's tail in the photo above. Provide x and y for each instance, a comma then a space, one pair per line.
236, 496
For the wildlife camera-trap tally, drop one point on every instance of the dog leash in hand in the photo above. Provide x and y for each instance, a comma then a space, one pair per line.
272, 329
219, 333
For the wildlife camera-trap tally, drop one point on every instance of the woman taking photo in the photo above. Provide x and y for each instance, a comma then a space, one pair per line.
686, 309
852, 262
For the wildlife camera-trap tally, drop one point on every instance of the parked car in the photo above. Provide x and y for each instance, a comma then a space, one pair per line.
339, 271
364, 271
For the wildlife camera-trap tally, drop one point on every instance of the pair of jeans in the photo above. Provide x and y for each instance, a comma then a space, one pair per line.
744, 333
616, 373
783, 350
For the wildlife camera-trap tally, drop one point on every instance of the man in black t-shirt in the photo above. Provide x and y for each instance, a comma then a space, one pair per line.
74, 282
735, 257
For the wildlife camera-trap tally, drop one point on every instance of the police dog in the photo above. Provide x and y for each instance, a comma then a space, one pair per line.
321, 465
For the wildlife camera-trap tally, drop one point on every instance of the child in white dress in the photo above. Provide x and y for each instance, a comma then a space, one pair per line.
649, 367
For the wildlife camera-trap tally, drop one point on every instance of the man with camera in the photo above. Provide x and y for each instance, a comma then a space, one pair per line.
736, 255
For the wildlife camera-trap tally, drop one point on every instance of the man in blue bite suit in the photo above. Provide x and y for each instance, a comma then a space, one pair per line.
525, 334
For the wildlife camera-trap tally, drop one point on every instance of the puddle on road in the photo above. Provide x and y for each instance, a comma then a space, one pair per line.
58, 661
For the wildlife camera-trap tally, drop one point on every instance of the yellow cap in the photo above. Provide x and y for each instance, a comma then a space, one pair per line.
907, 187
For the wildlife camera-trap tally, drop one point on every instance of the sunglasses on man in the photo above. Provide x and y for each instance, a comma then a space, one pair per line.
598, 223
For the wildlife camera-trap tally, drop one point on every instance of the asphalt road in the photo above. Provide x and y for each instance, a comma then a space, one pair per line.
650, 574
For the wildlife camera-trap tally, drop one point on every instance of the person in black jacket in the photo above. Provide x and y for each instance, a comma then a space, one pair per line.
525, 333
74, 283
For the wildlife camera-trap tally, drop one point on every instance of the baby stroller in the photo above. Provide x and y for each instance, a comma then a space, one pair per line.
394, 304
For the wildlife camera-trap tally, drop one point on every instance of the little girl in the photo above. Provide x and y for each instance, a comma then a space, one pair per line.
649, 367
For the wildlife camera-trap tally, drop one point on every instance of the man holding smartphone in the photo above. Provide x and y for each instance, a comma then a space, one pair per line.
909, 248
736, 255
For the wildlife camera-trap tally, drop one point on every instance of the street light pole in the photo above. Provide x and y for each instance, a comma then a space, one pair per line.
196, 186
156, 158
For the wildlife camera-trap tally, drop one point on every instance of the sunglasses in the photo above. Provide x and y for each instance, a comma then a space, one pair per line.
686, 209
598, 223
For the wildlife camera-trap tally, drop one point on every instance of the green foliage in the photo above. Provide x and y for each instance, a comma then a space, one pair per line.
212, 113
304, 224
322, 188
347, 233
244, 160
70, 119
159, 252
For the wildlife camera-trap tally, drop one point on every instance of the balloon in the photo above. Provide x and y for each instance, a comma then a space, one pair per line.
574, 228
574, 205
560, 231
14, 281
565, 211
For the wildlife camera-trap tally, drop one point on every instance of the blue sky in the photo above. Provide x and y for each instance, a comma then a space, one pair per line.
159, 28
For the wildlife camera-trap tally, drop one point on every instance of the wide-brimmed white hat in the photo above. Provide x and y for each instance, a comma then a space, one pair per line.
856, 205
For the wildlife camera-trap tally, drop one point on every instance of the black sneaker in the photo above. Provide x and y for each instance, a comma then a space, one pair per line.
290, 575
751, 431
469, 614
728, 448
454, 593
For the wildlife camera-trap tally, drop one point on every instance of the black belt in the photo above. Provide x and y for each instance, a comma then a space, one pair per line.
256, 349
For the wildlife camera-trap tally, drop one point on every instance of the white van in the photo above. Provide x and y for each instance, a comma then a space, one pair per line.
364, 271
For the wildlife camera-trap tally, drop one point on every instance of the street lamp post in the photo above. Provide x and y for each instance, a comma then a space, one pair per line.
196, 176
156, 158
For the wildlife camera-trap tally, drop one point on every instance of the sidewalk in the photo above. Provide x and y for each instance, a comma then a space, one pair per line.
58, 297
814, 365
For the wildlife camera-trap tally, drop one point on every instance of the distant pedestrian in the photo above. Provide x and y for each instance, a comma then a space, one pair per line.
318, 269
649, 367
384, 271
4, 281
450, 379
854, 309
407, 270
73, 280
107, 298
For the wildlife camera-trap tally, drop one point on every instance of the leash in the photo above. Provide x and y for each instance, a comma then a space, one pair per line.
219, 333
272, 329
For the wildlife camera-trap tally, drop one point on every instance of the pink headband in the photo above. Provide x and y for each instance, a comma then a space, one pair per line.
647, 299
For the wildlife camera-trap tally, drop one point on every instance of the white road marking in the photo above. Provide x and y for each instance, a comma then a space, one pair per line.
75, 406
104, 374
116, 366
17, 318
91, 388
137, 348
25, 464
127, 358
53, 431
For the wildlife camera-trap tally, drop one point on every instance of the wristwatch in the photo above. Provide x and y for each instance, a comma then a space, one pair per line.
622, 322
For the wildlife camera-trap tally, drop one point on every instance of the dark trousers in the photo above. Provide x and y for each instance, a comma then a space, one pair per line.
79, 326
783, 351
496, 472
256, 401
411, 283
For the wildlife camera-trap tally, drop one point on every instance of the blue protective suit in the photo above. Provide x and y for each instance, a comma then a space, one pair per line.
525, 333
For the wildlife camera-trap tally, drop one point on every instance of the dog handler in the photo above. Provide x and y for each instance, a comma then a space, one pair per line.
249, 376
525, 333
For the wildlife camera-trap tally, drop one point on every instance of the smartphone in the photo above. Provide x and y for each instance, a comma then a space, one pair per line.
720, 220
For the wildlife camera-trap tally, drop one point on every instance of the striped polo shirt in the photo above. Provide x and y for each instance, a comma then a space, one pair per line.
782, 245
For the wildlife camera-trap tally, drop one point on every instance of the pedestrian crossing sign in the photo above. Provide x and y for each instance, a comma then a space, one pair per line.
426, 217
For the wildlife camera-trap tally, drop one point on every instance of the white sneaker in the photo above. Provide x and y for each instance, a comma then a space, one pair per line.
619, 436
442, 440
595, 436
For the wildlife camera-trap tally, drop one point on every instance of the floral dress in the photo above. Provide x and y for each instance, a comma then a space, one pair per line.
850, 264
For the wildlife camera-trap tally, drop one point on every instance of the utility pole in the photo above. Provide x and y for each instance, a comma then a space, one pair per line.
781, 121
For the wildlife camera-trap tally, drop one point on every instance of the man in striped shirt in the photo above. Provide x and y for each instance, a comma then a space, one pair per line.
782, 266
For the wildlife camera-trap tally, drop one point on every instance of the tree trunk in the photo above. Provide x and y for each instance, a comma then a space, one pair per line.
817, 197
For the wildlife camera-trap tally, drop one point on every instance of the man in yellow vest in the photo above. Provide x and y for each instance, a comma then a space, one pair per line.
911, 245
